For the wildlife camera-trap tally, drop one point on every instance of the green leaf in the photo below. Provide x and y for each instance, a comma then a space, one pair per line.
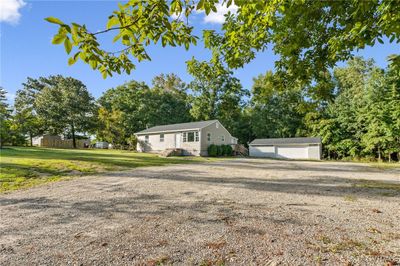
93, 64
54, 20
112, 22
200, 5
58, 39
71, 60
67, 45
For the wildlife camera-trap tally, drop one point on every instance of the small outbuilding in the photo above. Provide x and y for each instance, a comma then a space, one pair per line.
287, 148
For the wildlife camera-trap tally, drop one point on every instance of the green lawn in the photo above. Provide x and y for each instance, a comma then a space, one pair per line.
22, 167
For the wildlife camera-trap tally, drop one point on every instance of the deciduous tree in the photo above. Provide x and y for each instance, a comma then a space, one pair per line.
310, 37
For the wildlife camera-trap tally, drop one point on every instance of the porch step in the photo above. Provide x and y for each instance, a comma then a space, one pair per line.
172, 152
240, 150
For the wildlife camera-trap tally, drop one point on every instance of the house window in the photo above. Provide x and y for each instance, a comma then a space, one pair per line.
223, 138
208, 137
161, 137
190, 136
146, 139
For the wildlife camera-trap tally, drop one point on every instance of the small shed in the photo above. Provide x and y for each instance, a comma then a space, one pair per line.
101, 145
287, 148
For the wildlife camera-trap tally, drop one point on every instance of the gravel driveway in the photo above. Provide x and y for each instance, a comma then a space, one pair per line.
243, 211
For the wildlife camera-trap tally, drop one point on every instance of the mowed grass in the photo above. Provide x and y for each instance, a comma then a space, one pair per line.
22, 167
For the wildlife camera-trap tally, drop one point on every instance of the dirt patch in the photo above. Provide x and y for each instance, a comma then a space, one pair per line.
245, 211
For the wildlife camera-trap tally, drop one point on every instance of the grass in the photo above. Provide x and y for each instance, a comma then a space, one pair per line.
350, 198
23, 167
373, 184
385, 165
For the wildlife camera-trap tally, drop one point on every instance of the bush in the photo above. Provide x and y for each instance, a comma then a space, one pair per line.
212, 150
228, 150
219, 150
223, 150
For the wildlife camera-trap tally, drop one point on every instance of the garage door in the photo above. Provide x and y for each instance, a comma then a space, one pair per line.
262, 151
292, 152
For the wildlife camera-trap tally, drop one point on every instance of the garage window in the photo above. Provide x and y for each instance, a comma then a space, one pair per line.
161, 137
146, 139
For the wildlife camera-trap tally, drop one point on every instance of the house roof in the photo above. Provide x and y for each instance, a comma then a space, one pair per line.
177, 127
275, 141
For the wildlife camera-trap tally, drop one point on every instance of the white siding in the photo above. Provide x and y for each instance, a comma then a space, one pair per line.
154, 144
216, 130
262, 151
292, 152
314, 152
300, 151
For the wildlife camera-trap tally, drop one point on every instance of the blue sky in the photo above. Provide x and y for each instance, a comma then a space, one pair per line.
26, 49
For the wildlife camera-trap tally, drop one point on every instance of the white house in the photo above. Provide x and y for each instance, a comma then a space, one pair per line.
287, 148
192, 138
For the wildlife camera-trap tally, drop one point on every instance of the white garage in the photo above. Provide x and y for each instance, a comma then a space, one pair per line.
287, 148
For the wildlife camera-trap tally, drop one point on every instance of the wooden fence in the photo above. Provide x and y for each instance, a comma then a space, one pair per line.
57, 142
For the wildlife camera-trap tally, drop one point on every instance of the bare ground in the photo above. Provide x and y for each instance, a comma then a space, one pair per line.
238, 212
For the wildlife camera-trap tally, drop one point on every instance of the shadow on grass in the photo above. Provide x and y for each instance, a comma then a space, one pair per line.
104, 157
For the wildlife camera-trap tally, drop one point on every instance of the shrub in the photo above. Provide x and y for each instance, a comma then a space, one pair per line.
228, 150
212, 150
220, 150
223, 150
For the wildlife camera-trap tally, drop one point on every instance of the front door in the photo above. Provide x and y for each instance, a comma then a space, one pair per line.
177, 140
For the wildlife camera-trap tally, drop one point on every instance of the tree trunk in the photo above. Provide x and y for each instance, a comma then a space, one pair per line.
379, 154
73, 136
390, 155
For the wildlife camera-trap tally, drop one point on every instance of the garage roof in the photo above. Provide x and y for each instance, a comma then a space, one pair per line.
276, 141
177, 127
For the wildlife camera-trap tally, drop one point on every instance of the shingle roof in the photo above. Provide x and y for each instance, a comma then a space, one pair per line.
177, 127
276, 141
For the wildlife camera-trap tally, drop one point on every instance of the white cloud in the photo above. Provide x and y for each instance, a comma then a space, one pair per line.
219, 16
9, 10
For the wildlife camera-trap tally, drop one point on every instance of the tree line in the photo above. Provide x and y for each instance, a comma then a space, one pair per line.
355, 108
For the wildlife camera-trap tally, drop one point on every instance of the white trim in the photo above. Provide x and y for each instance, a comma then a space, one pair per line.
166, 131
283, 144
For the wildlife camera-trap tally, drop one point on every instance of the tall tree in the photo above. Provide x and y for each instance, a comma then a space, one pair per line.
169, 83
277, 111
309, 36
25, 113
216, 94
65, 105
392, 104
5, 114
362, 119
134, 106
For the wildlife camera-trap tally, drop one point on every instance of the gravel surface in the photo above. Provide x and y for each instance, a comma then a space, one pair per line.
234, 212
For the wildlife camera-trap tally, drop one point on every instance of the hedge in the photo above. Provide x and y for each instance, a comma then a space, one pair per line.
219, 150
